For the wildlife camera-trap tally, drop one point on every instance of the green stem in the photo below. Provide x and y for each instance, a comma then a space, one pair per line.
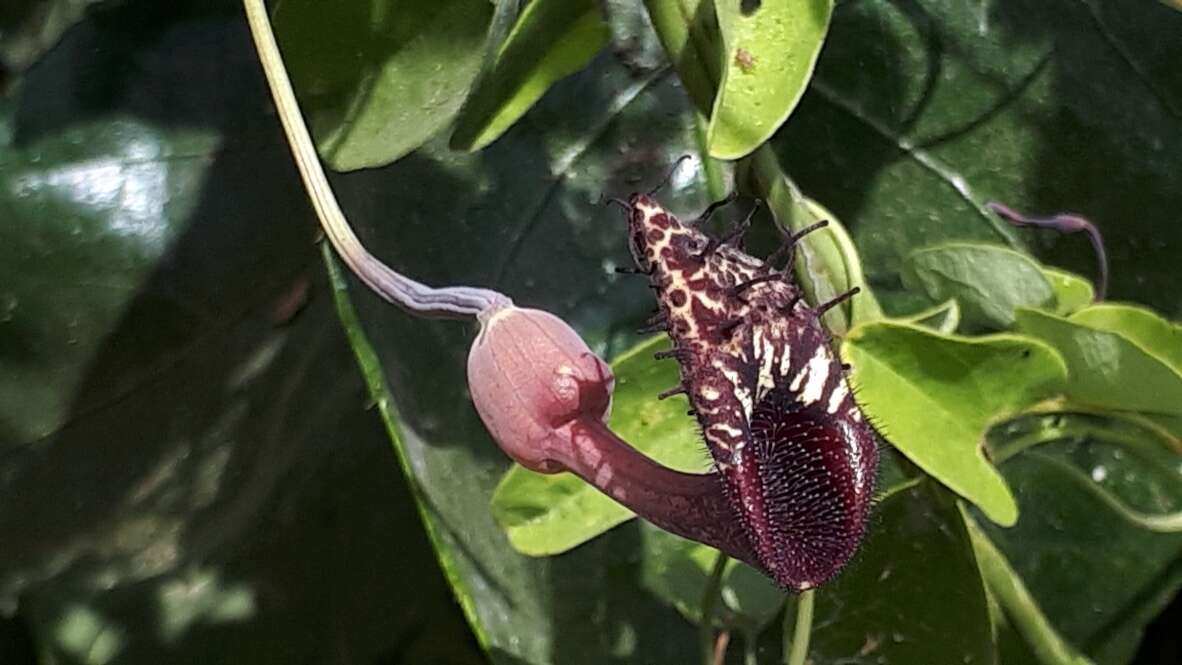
1019, 606
830, 263
715, 182
1066, 428
796, 652
1061, 421
414, 297
709, 602
689, 32
750, 647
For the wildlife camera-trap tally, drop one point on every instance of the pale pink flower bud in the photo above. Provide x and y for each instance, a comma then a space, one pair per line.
531, 376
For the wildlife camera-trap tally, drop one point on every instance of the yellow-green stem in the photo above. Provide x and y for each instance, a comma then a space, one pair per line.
709, 602
796, 651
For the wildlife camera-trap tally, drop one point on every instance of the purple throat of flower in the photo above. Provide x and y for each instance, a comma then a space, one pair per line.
795, 461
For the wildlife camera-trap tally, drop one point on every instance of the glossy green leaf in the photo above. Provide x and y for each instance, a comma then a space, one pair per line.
1144, 327
551, 39
55, 327
912, 595
934, 397
548, 514
1097, 577
987, 280
377, 79
770, 52
1170, 522
1107, 369
1058, 421
1072, 292
678, 572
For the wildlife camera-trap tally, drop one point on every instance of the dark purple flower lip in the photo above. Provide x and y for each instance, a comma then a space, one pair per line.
796, 457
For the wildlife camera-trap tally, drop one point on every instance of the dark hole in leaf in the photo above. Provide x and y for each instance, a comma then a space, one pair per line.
749, 7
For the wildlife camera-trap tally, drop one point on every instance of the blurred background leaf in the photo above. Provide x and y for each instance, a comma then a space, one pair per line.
378, 78
551, 39
28, 28
189, 469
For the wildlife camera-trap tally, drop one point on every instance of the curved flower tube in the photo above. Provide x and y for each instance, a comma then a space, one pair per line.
545, 397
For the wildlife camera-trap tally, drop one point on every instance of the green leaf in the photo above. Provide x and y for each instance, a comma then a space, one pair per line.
1107, 369
1144, 327
1098, 577
770, 52
1170, 522
942, 318
551, 39
377, 79
56, 322
1059, 420
935, 396
988, 281
1021, 610
1072, 292
678, 572
912, 595
549, 514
